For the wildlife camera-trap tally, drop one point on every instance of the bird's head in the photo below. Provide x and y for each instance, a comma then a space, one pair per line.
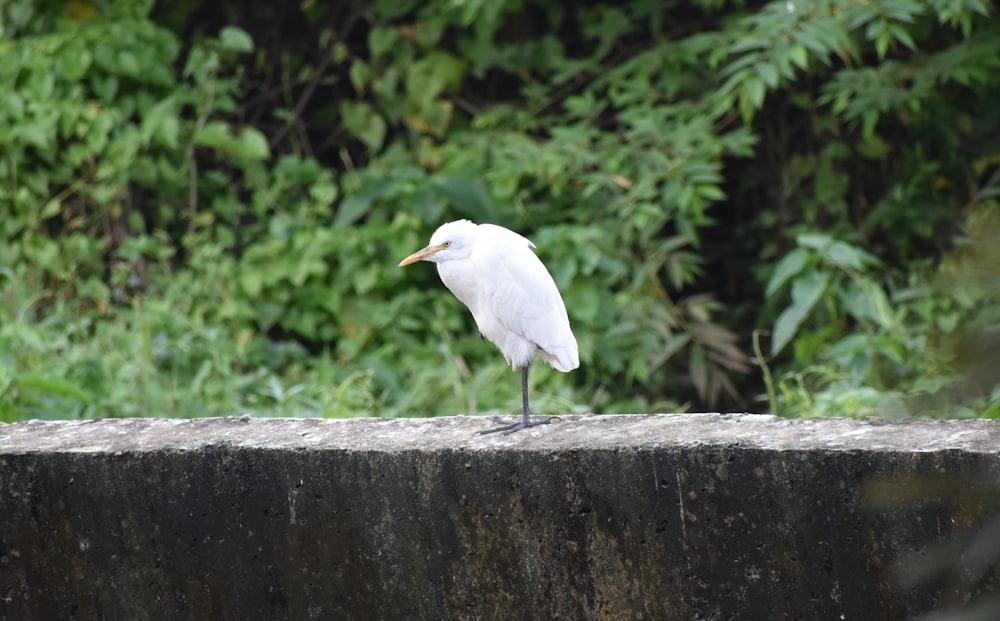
452, 241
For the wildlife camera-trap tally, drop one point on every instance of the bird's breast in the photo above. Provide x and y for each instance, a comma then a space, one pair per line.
463, 283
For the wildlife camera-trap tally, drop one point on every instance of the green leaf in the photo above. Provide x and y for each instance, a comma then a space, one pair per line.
324, 192
816, 241
850, 256
353, 207
903, 36
76, 65
359, 74
34, 134
837, 252
381, 40
806, 291
876, 304
768, 73
161, 123
585, 302
755, 89
235, 39
127, 63
364, 123
252, 282
215, 134
799, 56
366, 276
53, 386
470, 10
251, 145
432, 75
873, 147
468, 197
51, 208
710, 192
790, 265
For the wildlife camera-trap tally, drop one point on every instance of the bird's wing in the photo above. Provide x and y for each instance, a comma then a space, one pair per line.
520, 293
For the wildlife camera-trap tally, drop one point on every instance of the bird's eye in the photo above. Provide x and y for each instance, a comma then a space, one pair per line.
446, 244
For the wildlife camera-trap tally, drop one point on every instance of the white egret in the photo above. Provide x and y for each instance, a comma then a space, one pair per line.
515, 302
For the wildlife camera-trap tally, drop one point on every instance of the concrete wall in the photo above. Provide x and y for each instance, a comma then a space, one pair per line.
687, 517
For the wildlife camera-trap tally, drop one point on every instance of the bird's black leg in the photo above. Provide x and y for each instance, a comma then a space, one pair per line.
526, 418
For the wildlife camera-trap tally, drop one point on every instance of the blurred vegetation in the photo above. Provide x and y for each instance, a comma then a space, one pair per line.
783, 206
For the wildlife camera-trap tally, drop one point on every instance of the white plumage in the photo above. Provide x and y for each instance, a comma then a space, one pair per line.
515, 302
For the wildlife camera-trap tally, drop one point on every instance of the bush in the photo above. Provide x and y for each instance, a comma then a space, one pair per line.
198, 226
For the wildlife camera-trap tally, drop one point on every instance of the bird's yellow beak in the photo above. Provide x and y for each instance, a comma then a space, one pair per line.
420, 255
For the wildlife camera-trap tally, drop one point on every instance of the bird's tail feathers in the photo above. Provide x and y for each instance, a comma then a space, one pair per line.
562, 359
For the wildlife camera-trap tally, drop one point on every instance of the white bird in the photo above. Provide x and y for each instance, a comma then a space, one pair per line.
515, 302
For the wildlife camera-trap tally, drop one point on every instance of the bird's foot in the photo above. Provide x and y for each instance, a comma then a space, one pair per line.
521, 424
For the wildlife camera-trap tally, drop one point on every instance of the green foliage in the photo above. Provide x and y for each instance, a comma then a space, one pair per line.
149, 359
864, 347
204, 226
100, 179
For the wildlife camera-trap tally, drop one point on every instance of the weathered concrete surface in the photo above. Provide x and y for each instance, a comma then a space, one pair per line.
697, 516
